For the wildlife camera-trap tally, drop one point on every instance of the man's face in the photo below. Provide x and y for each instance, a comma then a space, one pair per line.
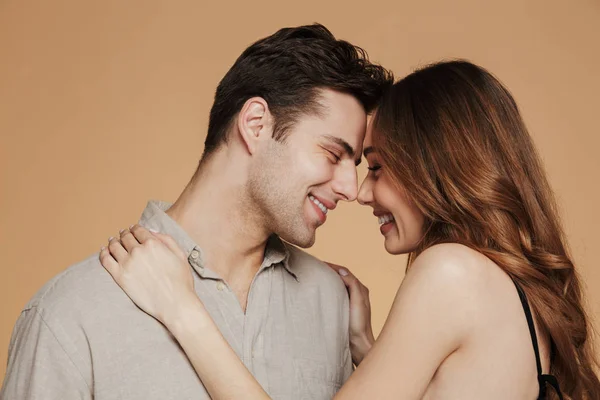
296, 182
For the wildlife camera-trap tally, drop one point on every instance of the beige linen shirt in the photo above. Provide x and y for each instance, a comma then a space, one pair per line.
81, 337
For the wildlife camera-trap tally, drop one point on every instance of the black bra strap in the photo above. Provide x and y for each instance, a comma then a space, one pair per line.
531, 325
543, 379
552, 381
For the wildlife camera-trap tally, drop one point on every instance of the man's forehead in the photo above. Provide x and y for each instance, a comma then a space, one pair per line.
359, 150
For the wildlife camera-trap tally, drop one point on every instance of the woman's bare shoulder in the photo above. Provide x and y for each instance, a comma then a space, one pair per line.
452, 263
453, 278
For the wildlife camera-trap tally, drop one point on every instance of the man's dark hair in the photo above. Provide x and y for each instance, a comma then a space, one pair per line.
287, 69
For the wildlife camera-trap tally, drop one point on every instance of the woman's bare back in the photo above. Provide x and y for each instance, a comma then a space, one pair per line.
497, 361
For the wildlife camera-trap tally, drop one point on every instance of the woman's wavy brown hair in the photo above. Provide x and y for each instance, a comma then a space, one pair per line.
452, 136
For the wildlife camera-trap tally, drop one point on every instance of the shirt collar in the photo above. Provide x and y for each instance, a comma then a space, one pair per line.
155, 217
277, 252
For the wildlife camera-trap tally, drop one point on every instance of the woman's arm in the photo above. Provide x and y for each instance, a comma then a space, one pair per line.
429, 320
221, 371
155, 274
431, 317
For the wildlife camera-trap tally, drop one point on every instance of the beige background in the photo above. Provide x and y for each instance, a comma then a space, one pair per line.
104, 106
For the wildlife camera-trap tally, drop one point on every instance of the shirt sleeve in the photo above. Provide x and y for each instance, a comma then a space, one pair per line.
38, 365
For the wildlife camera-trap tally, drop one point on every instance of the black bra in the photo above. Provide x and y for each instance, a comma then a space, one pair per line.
543, 379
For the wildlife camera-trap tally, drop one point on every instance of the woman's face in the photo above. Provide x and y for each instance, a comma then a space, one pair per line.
400, 221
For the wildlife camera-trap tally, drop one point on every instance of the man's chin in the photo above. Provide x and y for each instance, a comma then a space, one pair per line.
302, 242
306, 245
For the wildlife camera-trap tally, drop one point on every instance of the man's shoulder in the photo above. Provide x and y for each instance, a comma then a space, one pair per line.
78, 287
320, 291
309, 269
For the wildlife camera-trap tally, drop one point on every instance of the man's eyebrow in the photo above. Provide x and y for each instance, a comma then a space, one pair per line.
368, 151
344, 145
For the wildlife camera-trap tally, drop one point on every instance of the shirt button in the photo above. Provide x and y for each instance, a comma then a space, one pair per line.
220, 286
195, 254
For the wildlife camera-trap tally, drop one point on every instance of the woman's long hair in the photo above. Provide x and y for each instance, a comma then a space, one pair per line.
452, 136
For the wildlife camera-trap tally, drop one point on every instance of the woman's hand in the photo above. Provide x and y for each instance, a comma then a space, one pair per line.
155, 274
152, 270
361, 331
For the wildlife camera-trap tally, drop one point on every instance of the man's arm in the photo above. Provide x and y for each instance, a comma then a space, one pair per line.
38, 365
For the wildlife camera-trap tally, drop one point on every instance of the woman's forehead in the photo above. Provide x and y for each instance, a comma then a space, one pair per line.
368, 142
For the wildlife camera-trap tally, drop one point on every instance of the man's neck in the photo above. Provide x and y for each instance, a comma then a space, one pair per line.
215, 211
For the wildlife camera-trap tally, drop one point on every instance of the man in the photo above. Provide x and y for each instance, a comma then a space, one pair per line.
285, 133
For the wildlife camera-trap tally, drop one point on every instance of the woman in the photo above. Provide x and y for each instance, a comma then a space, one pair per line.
491, 304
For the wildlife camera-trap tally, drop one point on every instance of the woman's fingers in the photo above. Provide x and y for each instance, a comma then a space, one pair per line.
335, 267
128, 241
144, 235
361, 332
355, 287
140, 233
116, 249
344, 273
109, 263
171, 244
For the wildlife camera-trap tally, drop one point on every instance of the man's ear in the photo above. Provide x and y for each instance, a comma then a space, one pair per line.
255, 123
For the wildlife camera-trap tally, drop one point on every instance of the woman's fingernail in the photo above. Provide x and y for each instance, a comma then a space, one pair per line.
152, 230
131, 226
110, 238
343, 271
122, 230
102, 248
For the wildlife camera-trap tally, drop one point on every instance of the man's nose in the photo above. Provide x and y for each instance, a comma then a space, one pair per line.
345, 183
